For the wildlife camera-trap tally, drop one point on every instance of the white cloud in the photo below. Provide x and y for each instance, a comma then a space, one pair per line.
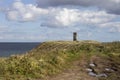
56, 16
3, 28
65, 17
21, 12
111, 6
113, 26
19, 37
60, 16
116, 1
12, 15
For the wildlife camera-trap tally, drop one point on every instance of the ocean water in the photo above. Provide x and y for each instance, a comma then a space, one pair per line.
7, 49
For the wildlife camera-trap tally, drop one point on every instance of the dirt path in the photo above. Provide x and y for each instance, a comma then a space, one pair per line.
78, 69
76, 72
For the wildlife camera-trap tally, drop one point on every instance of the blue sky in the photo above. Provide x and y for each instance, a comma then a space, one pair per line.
47, 20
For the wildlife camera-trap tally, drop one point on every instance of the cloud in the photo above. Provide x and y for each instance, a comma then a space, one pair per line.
3, 28
59, 16
2, 9
21, 12
87, 21
113, 26
111, 6
65, 17
16, 36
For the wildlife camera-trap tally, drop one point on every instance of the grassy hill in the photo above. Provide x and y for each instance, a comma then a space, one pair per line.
64, 59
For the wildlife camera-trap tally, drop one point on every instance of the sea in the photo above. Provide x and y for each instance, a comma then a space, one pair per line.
13, 48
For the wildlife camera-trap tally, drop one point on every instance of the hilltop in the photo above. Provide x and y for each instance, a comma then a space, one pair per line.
64, 60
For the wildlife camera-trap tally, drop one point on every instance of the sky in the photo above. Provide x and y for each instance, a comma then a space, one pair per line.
48, 20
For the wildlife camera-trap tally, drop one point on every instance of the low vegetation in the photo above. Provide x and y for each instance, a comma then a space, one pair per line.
51, 58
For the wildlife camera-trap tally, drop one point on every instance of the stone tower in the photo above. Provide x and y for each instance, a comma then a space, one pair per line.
74, 36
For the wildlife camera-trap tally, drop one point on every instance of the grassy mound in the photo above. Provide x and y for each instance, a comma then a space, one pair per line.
50, 58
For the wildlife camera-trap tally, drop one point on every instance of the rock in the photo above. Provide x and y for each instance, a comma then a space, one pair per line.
89, 70
92, 65
108, 69
92, 74
95, 75
102, 75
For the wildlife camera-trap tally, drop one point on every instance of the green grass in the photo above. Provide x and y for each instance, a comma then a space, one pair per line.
51, 58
